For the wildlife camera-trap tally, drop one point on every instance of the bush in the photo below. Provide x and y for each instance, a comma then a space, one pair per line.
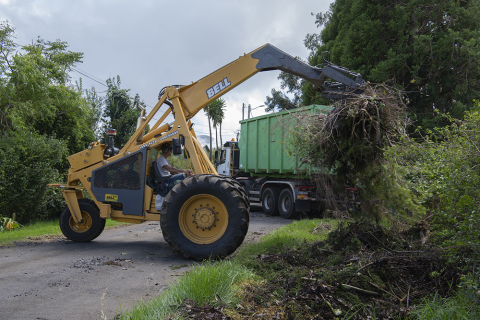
441, 173
179, 162
27, 165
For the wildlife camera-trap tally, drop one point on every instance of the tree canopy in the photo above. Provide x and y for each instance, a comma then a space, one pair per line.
120, 111
44, 118
35, 94
427, 48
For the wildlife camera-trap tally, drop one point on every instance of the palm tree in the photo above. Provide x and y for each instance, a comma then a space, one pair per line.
220, 117
209, 116
217, 114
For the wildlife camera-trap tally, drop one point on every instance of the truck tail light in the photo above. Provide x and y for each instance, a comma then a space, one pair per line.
305, 188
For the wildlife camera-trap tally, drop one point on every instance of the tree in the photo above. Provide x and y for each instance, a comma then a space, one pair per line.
27, 165
217, 114
209, 117
35, 94
428, 48
280, 99
120, 112
42, 120
96, 102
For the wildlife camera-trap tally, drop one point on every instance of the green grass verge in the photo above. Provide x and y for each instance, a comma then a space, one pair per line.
40, 230
211, 282
223, 278
293, 236
465, 304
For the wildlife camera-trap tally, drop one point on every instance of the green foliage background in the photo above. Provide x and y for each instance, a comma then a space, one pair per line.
44, 119
442, 175
428, 49
27, 165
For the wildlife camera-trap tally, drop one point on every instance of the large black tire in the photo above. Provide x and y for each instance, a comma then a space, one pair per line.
270, 201
91, 227
246, 186
286, 204
195, 220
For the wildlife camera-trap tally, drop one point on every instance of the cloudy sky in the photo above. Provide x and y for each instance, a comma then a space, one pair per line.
152, 44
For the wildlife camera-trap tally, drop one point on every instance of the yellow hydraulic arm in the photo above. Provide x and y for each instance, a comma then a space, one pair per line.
187, 101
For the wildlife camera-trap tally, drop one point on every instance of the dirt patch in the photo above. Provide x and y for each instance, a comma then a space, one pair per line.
191, 310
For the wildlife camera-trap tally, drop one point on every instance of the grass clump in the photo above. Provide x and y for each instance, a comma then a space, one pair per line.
40, 231
462, 306
215, 283
292, 236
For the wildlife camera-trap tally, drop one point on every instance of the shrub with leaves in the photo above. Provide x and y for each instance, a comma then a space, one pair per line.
8, 223
27, 163
442, 173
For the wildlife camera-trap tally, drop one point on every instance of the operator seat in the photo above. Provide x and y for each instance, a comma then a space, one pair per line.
158, 179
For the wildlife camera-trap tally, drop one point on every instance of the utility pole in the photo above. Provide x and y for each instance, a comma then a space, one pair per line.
249, 110
243, 111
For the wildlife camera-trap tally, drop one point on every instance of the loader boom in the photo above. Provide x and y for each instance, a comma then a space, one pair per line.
190, 99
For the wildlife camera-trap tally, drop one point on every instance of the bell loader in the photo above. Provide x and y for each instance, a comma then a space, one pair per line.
204, 216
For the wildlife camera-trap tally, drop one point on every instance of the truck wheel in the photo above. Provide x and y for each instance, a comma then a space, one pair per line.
195, 220
270, 201
286, 204
245, 186
91, 226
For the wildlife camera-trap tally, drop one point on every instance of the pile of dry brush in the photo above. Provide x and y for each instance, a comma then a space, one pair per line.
351, 139
361, 126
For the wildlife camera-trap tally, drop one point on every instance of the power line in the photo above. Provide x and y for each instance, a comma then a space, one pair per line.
85, 72
92, 77
147, 103
103, 84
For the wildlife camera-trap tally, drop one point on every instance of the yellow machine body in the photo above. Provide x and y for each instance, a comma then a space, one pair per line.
187, 102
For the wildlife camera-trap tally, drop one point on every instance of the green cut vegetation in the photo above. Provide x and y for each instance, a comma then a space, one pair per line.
40, 231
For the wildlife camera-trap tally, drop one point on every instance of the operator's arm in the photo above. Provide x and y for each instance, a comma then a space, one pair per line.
173, 170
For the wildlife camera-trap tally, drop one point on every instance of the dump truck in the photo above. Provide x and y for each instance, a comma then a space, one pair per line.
264, 163
204, 216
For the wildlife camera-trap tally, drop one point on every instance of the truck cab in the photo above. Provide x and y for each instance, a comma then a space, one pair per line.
229, 159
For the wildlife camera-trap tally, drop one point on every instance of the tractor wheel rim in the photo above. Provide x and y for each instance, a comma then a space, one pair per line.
203, 219
82, 227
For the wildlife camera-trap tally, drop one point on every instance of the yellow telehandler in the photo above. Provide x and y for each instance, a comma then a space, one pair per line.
206, 215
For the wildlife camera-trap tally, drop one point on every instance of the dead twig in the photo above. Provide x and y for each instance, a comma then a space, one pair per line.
348, 287
390, 293
408, 296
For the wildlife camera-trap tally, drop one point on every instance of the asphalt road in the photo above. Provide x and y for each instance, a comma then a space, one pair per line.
66, 280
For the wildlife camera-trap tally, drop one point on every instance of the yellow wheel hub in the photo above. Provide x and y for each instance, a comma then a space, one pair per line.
203, 219
82, 226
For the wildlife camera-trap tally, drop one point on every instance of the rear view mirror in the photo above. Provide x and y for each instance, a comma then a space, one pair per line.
176, 145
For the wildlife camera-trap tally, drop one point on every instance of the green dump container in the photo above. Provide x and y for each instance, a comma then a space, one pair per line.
263, 146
